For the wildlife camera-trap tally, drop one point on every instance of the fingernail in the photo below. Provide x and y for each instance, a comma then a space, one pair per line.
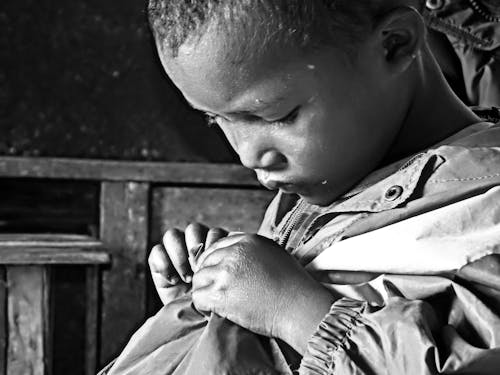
195, 250
188, 278
173, 279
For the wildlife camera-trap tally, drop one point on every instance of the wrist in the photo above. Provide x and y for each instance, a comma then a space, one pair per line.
304, 315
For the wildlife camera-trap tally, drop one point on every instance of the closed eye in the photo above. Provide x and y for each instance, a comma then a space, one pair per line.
290, 117
287, 119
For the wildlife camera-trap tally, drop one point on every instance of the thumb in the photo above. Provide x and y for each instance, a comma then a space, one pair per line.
224, 242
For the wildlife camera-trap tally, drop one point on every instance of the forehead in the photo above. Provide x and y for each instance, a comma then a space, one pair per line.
211, 75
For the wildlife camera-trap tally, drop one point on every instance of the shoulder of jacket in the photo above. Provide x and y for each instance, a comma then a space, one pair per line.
473, 159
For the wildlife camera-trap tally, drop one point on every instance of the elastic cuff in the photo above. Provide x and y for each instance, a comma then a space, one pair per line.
330, 335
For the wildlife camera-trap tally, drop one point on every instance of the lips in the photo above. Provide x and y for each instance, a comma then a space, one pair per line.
287, 187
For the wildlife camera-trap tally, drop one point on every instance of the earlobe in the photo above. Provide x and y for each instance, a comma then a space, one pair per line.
401, 32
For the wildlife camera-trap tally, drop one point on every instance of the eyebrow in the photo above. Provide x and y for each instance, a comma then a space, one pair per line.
262, 104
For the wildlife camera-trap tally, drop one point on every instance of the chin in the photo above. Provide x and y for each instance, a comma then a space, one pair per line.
317, 200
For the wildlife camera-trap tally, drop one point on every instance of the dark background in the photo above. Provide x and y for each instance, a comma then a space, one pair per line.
81, 78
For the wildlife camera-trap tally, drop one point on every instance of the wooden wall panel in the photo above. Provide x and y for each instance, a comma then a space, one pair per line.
232, 209
124, 233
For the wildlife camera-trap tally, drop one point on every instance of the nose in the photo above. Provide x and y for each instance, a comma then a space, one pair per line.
261, 159
255, 149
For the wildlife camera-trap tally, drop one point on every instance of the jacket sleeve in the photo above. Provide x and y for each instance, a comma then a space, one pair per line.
455, 331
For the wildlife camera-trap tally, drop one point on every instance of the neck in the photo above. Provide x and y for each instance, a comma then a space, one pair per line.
430, 120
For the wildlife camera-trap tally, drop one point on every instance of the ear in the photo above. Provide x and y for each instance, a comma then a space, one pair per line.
401, 35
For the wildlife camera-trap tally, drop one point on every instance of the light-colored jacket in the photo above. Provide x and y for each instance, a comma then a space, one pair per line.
423, 233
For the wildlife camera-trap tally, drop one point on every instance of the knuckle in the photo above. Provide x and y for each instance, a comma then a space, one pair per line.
195, 282
245, 240
220, 298
195, 297
198, 301
239, 251
226, 273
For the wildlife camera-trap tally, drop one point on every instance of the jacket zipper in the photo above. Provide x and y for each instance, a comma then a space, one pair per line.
290, 224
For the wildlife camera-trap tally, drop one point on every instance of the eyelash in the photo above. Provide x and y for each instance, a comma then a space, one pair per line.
288, 119
211, 120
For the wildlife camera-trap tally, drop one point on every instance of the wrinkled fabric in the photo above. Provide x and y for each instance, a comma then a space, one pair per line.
473, 31
180, 340
430, 302
414, 324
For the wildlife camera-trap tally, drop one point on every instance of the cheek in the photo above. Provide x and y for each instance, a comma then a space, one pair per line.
316, 135
310, 146
327, 146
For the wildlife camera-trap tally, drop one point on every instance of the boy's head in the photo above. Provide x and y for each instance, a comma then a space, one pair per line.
309, 93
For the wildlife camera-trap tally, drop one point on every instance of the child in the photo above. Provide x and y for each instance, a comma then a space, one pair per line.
380, 253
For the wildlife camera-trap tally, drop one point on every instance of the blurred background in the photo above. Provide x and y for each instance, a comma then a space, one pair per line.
82, 79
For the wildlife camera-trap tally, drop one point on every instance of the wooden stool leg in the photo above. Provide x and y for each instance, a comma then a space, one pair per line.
92, 320
29, 320
3, 321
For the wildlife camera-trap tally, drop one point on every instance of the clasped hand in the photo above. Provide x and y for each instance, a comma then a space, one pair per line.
256, 284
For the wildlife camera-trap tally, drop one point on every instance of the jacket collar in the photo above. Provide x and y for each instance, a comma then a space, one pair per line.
386, 188
393, 185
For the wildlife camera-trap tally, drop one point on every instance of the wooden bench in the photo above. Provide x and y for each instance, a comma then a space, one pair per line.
137, 202
27, 259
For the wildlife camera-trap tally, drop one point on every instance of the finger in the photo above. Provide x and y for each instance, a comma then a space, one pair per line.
215, 257
194, 253
162, 269
167, 295
175, 245
195, 234
228, 241
204, 301
222, 243
205, 278
205, 295
213, 235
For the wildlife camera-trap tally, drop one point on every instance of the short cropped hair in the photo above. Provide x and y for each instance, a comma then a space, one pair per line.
302, 22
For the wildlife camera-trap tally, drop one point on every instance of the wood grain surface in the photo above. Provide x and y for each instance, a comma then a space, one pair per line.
124, 233
28, 319
109, 170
